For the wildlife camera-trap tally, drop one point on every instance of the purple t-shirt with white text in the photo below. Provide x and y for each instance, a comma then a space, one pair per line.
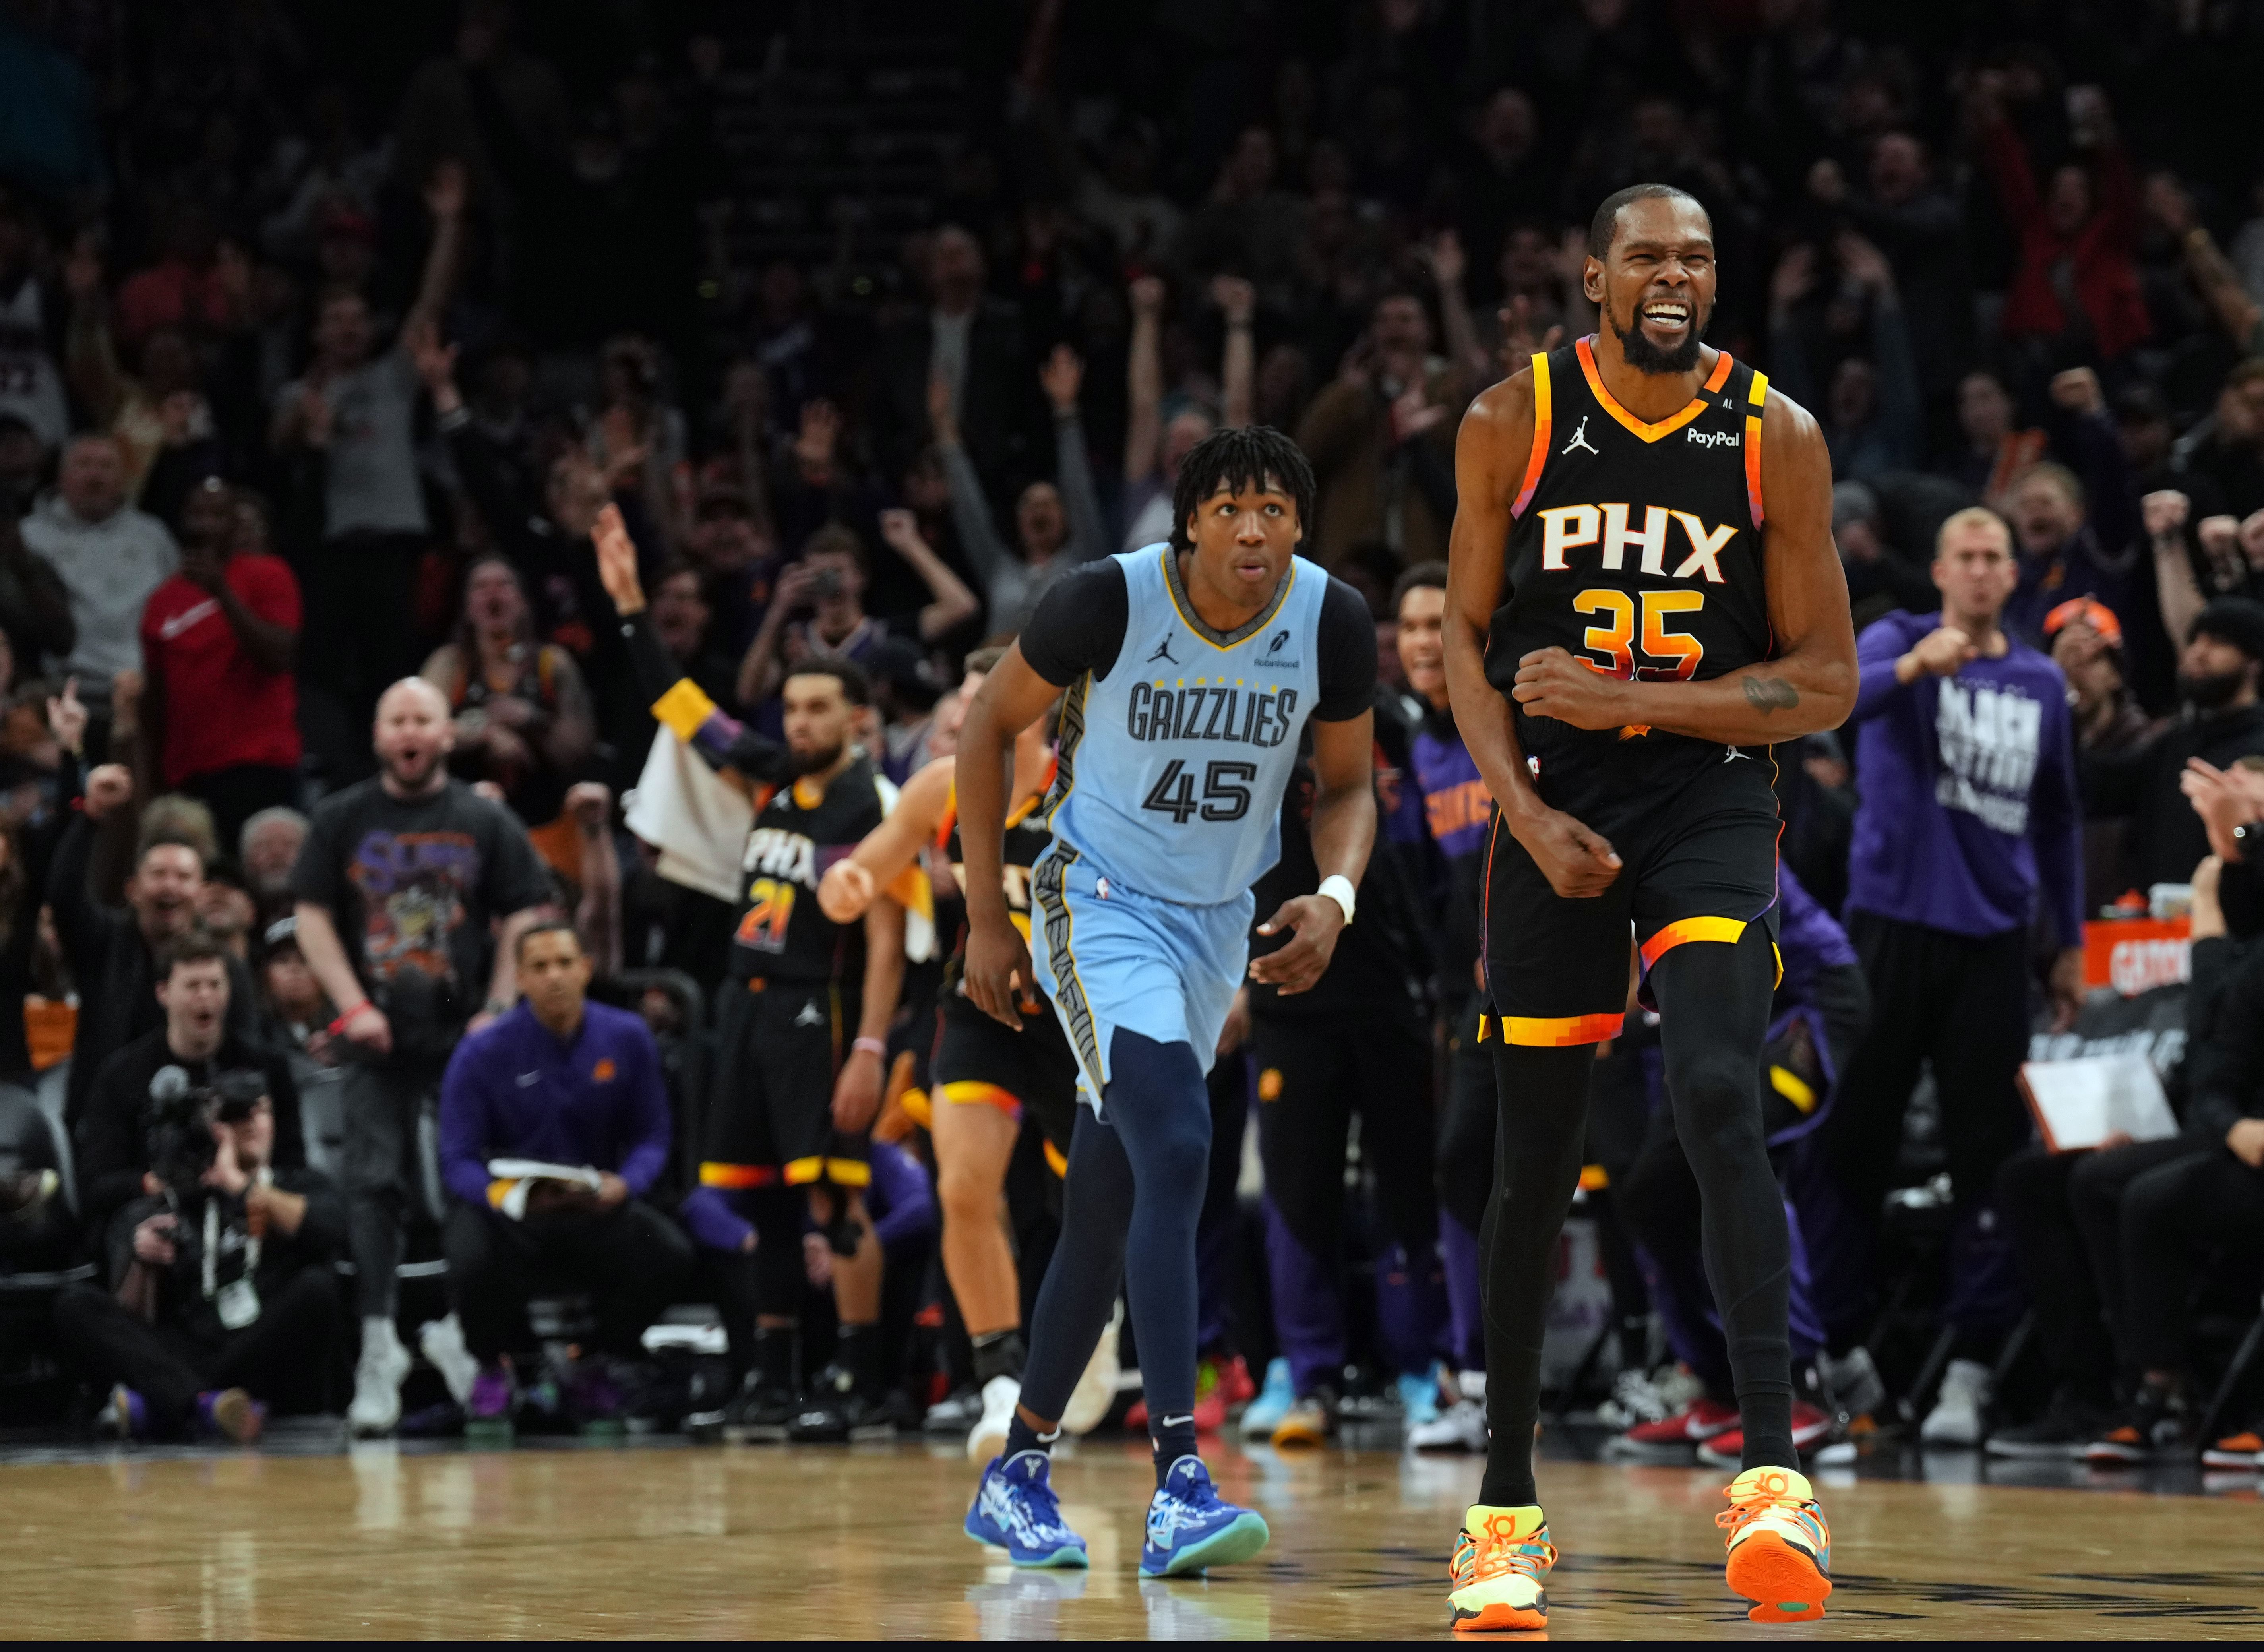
1968, 818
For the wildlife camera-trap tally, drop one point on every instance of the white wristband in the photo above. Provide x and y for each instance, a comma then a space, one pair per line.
1339, 888
871, 1046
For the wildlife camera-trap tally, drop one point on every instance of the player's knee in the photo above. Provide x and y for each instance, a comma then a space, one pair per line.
967, 1194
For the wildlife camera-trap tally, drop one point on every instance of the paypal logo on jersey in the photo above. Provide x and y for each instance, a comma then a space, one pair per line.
1716, 438
1215, 710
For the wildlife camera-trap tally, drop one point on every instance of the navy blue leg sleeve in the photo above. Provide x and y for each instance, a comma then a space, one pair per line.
1130, 1204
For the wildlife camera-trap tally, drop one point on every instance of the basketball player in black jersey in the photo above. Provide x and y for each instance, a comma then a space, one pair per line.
1643, 598
802, 1029
985, 1078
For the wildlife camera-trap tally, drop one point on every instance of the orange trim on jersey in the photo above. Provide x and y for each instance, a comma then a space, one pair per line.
1056, 1161
949, 818
1755, 400
973, 1092
1666, 426
1559, 1032
1541, 416
713, 1174
1691, 929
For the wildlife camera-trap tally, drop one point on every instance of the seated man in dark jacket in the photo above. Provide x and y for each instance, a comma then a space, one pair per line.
195, 993
561, 1082
223, 1301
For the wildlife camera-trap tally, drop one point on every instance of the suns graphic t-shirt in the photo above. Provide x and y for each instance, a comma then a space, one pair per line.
417, 885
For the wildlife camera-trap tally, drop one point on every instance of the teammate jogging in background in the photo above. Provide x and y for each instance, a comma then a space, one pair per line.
1643, 597
985, 1077
1192, 669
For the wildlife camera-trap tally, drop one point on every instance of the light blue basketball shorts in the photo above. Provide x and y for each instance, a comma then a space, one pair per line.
1110, 957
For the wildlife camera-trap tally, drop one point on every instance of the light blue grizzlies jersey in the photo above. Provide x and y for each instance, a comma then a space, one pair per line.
1173, 766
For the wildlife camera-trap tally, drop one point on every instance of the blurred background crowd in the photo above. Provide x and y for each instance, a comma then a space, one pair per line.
326, 332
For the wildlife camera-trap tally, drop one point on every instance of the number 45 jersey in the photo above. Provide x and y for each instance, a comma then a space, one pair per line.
1176, 742
1636, 548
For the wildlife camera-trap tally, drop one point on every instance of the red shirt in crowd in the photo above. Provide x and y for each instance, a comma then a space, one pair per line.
221, 708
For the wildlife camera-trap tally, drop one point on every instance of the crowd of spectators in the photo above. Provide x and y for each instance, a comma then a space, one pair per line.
312, 381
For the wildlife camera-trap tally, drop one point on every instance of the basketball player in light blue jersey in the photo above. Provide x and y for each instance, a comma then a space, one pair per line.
1190, 671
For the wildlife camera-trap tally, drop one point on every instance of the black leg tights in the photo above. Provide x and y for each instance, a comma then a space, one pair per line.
1537, 1149
1713, 1009
1715, 1003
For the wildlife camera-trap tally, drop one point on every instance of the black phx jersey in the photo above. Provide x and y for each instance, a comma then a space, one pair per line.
1638, 548
781, 932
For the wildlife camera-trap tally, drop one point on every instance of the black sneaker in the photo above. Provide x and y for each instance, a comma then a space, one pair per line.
837, 1409
2067, 1427
759, 1411
2153, 1425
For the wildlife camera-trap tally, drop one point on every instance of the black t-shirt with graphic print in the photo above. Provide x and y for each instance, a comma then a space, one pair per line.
415, 886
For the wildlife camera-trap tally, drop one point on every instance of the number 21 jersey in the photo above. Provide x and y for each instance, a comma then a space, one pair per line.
1173, 760
1636, 548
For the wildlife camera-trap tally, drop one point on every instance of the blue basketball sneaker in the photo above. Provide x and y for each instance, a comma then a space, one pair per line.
1015, 1510
1189, 1526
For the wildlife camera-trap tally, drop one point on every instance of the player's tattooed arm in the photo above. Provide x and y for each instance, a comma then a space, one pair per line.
1491, 455
1811, 684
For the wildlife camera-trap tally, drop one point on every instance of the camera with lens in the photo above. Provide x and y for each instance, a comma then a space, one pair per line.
827, 584
178, 1122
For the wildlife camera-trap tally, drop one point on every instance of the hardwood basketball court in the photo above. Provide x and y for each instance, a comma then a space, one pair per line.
579, 1541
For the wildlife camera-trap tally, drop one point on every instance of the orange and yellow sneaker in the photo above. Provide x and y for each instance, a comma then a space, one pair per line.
1780, 1546
1501, 1555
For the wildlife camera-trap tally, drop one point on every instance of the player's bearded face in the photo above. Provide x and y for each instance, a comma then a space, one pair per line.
1624, 314
805, 759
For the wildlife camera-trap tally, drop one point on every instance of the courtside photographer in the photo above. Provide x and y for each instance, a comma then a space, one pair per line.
222, 1302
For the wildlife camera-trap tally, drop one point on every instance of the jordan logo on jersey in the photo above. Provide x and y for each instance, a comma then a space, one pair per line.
1163, 651
1569, 527
1581, 440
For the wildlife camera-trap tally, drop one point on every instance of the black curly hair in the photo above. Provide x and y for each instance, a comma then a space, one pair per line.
1248, 456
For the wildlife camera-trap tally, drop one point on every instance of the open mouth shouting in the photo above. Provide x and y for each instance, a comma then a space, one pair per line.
1667, 320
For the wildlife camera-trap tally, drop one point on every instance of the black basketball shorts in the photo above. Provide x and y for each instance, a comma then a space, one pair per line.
1697, 864
1031, 1074
770, 1114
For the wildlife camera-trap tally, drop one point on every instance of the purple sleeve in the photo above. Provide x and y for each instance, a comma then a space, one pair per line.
1810, 938
900, 1184
708, 1215
2055, 821
463, 1131
1876, 650
648, 1129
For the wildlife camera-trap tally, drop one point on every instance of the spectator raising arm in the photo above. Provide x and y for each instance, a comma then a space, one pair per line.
1237, 301
444, 194
678, 702
1144, 430
1447, 262
950, 603
1062, 376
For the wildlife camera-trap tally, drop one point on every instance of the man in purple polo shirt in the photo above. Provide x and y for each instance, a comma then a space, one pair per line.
562, 1081
1969, 831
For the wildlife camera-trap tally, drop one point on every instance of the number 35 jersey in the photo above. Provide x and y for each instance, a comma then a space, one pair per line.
1176, 742
1636, 548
